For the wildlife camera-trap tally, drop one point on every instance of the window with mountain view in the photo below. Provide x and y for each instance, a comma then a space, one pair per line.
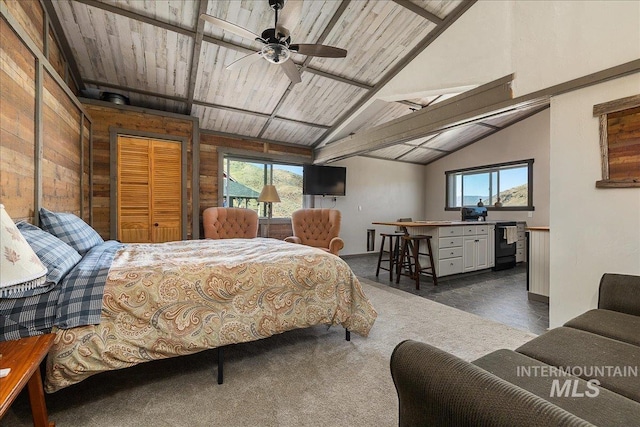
501, 186
244, 179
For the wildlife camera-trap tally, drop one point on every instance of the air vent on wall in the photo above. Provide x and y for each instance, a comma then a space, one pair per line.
115, 98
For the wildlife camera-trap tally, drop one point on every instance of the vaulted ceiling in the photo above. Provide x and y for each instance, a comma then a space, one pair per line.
160, 55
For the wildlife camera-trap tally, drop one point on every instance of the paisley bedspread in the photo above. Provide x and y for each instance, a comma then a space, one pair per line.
170, 299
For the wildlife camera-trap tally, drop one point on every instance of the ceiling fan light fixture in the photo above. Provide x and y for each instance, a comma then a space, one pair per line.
275, 53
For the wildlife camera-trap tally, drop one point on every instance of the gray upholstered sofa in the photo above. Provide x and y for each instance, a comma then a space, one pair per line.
525, 387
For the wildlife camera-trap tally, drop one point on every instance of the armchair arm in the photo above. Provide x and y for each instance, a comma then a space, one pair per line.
436, 388
335, 245
293, 239
620, 292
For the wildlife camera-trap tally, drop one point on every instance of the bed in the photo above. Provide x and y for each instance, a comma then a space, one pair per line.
125, 304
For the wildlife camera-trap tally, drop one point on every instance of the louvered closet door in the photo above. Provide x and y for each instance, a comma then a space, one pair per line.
134, 217
149, 190
165, 197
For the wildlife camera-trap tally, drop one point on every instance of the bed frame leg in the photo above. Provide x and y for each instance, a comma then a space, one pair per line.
347, 335
220, 365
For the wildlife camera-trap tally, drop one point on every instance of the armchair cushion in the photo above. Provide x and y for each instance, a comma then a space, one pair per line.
318, 228
230, 223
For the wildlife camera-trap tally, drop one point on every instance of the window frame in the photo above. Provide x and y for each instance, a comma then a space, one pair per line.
256, 157
491, 168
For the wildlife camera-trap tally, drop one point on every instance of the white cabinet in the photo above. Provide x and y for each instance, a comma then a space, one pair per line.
475, 254
460, 248
520, 244
449, 259
491, 246
538, 268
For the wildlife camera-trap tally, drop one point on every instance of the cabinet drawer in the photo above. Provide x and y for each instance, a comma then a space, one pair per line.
482, 229
469, 230
451, 231
520, 226
520, 244
521, 235
449, 266
520, 255
473, 230
450, 252
450, 242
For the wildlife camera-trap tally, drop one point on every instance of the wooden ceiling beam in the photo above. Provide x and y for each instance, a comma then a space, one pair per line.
420, 11
138, 17
195, 56
332, 23
64, 44
209, 39
426, 41
456, 111
202, 103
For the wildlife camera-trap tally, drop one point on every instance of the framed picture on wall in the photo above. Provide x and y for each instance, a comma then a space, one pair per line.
619, 142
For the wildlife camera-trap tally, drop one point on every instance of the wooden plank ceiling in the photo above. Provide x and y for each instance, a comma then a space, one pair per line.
161, 56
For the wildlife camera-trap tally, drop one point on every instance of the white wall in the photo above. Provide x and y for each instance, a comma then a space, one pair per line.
377, 190
527, 139
593, 231
543, 42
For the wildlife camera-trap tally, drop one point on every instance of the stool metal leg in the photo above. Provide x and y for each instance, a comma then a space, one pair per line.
380, 255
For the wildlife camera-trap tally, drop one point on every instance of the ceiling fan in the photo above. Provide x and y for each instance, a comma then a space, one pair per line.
277, 41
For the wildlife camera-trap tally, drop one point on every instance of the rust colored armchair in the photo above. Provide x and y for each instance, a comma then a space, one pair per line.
230, 223
318, 228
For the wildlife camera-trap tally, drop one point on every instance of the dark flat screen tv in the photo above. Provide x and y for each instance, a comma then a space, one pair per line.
324, 180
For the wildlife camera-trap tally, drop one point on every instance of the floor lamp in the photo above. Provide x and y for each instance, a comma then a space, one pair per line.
20, 268
268, 195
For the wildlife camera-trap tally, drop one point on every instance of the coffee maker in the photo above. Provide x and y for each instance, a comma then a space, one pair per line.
474, 213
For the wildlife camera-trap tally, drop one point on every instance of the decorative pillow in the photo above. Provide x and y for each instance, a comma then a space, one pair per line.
55, 254
70, 229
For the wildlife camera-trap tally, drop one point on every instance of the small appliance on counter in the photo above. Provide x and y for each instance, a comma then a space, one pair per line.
474, 213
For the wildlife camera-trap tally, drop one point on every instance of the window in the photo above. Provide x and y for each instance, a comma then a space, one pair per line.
506, 186
244, 178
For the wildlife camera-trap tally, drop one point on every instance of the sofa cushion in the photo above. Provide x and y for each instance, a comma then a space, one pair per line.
620, 292
611, 324
605, 408
615, 364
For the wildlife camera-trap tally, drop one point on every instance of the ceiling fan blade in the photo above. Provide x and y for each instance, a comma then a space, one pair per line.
318, 50
244, 61
291, 71
228, 26
289, 17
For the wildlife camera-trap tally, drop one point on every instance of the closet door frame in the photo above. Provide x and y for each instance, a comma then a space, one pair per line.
114, 133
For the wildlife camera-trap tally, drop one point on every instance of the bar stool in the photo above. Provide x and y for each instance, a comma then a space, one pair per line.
409, 257
393, 252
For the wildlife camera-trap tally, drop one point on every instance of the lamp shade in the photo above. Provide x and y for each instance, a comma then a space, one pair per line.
20, 267
269, 194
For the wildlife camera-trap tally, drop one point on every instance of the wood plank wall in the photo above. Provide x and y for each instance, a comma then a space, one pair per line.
17, 133
28, 180
209, 146
104, 117
61, 152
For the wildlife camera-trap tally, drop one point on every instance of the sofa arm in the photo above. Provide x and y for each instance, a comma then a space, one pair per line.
620, 292
335, 245
293, 239
436, 388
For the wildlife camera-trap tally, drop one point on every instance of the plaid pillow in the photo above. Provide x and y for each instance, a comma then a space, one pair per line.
70, 229
55, 254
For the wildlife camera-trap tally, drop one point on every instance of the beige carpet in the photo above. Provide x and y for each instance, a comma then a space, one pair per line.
309, 377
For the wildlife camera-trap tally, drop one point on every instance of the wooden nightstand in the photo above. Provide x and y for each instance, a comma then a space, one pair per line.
23, 356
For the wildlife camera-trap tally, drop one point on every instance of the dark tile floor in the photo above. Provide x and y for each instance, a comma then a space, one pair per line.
497, 295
